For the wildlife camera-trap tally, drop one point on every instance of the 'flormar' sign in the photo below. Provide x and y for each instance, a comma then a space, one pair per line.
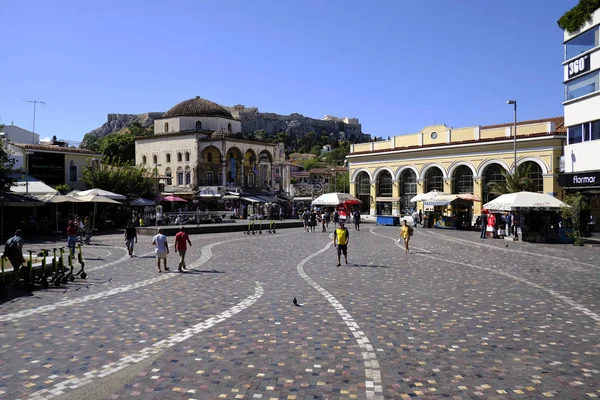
580, 180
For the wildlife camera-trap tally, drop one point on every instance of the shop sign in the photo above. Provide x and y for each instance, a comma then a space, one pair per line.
47, 167
578, 66
581, 179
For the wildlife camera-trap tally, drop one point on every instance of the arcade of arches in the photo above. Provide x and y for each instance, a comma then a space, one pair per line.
408, 181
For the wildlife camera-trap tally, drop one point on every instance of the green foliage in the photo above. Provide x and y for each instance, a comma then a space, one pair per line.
260, 135
337, 156
310, 164
136, 129
577, 16
63, 188
340, 182
316, 150
518, 182
91, 143
577, 204
6, 166
122, 178
118, 147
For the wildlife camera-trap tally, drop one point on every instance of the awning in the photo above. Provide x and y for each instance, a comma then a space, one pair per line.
268, 199
208, 195
251, 199
141, 202
441, 200
231, 197
382, 199
14, 200
302, 198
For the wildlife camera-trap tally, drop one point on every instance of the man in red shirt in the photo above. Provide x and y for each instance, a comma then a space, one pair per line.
71, 236
181, 241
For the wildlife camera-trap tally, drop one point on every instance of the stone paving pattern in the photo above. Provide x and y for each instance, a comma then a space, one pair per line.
458, 317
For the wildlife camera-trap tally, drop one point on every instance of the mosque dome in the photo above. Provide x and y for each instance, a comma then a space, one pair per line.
198, 107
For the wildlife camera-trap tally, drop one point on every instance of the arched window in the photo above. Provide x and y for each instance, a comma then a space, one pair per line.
408, 188
536, 176
491, 174
168, 156
209, 158
169, 176
178, 156
187, 156
155, 159
462, 181
384, 184
229, 127
166, 127
363, 190
188, 176
434, 180
198, 125
143, 159
179, 176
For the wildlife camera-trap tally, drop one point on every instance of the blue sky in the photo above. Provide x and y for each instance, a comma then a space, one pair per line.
397, 65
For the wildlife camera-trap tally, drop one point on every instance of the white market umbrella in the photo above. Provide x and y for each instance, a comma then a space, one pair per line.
334, 199
56, 198
96, 198
523, 201
99, 192
32, 187
425, 196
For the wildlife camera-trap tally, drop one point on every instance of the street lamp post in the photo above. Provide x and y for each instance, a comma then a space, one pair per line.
157, 189
514, 103
334, 178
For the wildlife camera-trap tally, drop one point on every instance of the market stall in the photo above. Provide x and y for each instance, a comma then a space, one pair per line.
388, 211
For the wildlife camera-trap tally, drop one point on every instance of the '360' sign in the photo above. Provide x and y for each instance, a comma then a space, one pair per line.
578, 66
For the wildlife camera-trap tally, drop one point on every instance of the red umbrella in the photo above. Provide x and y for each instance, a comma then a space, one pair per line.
174, 199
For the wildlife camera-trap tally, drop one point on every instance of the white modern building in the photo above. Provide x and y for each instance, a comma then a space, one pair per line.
581, 171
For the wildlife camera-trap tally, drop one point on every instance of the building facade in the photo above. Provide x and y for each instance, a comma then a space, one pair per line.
194, 149
581, 171
449, 160
17, 134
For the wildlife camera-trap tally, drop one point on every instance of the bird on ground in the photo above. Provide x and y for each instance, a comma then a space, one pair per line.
295, 302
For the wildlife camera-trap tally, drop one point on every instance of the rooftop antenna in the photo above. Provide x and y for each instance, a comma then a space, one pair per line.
35, 102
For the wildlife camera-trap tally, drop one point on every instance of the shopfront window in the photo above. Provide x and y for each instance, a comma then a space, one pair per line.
575, 134
582, 43
384, 184
595, 130
586, 84
463, 180
434, 180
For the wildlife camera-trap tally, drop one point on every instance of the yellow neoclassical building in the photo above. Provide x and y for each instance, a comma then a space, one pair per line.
454, 161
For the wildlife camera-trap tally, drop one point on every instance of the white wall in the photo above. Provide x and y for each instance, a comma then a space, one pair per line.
178, 124
582, 111
594, 65
582, 156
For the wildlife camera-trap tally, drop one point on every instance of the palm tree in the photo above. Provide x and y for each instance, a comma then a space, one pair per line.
518, 182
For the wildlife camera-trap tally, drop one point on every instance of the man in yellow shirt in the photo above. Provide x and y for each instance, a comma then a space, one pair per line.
341, 237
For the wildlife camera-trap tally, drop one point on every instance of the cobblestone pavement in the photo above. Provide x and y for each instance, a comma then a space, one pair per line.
458, 317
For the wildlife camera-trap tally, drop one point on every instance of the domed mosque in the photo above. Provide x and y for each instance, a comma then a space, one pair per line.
195, 153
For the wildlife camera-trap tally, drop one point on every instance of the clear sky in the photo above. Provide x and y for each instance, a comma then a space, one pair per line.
397, 65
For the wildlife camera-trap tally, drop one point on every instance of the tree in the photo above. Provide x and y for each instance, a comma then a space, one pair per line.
316, 150
122, 178
340, 182
337, 156
6, 166
91, 142
518, 182
310, 164
118, 147
577, 16
260, 135
576, 204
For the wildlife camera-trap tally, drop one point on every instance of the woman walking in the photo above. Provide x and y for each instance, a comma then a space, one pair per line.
405, 233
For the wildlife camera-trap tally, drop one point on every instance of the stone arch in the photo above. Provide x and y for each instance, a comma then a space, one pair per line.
427, 167
265, 156
487, 163
358, 171
536, 174
379, 170
462, 179
457, 164
433, 179
536, 160
363, 188
489, 173
401, 170
384, 182
214, 152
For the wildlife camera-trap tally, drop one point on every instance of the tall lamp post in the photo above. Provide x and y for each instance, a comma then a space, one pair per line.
514, 103
157, 189
334, 178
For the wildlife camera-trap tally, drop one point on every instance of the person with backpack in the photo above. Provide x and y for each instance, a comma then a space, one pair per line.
341, 237
13, 250
405, 233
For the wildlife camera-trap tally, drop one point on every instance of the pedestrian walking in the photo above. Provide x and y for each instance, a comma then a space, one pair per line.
415, 217
336, 218
509, 224
323, 223
305, 219
162, 249
356, 217
405, 233
313, 221
483, 224
13, 250
181, 241
327, 217
87, 230
71, 235
341, 237
130, 236
421, 217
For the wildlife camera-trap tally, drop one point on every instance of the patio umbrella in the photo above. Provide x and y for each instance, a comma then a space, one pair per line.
96, 198
469, 196
174, 199
56, 198
334, 199
99, 192
523, 201
425, 196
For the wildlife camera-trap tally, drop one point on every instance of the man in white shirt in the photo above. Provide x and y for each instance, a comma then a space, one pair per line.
162, 248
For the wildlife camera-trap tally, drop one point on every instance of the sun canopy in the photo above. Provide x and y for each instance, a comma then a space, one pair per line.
523, 201
334, 199
98, 192
56, 198
425, 196
141, 202
31, 187
174, 199
95, 198
441, 200
15, 200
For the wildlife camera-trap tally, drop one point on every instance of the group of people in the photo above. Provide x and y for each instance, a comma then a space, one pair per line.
310, 218
78, 230
490, 223
161, 250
